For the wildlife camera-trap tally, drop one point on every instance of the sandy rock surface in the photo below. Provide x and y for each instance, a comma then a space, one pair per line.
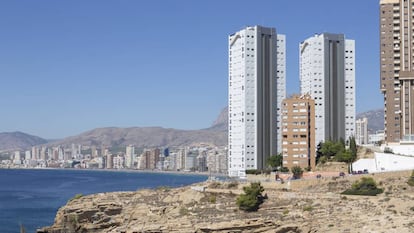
305, 206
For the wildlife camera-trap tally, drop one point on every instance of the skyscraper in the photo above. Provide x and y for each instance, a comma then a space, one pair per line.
327, 73
361, 133
257, 69
129, 156
397, 68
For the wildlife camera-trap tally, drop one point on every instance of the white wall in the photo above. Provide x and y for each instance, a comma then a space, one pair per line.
385, 162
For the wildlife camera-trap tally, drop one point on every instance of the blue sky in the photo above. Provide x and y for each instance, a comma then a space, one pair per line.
70, 66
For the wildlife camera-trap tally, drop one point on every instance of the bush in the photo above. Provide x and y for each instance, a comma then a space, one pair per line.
253, 172
213, 199
411, 179
77, 196
214, 185
163, 188
297, 172
308, 208
388, 150
366, 186
323, 160
284, 169
252, 197
233, 185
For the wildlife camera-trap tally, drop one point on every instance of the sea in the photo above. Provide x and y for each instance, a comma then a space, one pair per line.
31, 197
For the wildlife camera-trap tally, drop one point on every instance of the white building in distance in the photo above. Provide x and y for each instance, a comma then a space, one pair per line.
327, 73
257, 71
129, 156
361, 133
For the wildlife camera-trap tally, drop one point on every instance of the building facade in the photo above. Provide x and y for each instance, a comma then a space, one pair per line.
361, 132
298, 132
397, 68
327, 73
257, 69
129, 156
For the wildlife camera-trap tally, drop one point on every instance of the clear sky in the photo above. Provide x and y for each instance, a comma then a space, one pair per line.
71, 66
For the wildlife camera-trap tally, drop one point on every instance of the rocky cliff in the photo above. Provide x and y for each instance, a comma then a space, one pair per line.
307, 206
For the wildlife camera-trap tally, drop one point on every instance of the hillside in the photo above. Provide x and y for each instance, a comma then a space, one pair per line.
375, 119
146, 137
221, 123
152, 136
18, 141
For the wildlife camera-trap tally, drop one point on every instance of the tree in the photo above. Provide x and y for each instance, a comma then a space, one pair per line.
252, 197
297, 172
330, 148
275, 161
344, 156
318, 152
353, 148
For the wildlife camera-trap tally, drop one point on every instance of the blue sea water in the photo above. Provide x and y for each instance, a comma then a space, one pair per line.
32, 197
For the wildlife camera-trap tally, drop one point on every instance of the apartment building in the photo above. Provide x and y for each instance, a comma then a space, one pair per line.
298, 132
397, 68
257, 69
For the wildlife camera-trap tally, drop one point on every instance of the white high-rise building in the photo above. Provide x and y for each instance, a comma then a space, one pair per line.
129, 156
361, 131
327, 73
257, 71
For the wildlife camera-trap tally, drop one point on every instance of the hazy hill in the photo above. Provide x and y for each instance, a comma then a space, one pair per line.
152, 136
18, 141
146, 137
221, 123
375, 119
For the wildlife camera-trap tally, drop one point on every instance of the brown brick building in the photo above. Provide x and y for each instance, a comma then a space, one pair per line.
397, 68
298, 132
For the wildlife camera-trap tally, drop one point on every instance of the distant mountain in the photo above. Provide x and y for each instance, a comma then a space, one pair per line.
146, 137
18, 141
221, 123
152, 136
375, 119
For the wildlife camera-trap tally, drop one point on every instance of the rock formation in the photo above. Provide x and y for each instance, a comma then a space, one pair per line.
301, 206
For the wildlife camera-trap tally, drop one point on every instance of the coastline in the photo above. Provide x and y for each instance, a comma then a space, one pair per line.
33, 196
117, 170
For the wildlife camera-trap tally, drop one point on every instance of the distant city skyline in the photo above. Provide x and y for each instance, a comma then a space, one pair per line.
69, 67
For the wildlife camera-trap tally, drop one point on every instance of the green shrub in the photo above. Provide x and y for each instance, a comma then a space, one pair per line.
366, 186
163, 188
213, 199
183, 211
323, 160
297, 172
77, 196
233, 185
308, 208
410, 181
253, 172
284, 169
252, 197
214, 185
388, 150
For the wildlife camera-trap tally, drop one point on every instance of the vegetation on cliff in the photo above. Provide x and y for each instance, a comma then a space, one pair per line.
252, 197
366, 186
411, 179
